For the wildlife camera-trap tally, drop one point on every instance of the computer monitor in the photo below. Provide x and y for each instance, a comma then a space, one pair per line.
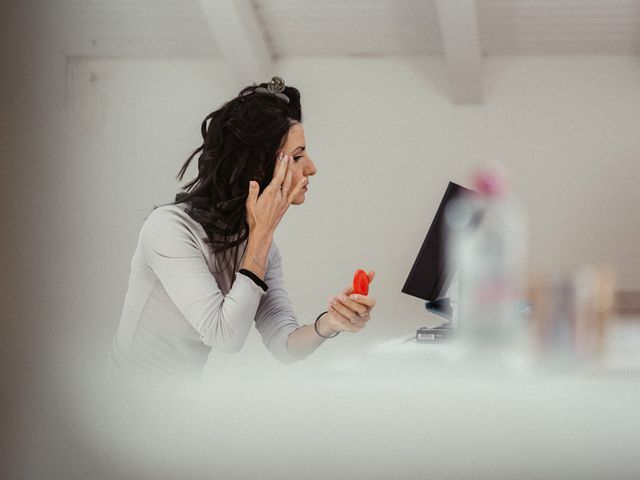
433, 268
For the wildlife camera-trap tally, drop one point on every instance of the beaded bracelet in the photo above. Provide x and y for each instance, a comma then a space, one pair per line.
315, 325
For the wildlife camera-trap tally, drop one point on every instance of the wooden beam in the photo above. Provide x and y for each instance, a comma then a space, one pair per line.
239, 35
461, 45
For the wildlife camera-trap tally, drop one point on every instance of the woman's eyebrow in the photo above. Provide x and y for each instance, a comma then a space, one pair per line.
301, 149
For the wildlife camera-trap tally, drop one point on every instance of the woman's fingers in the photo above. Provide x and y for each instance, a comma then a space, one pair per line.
298, 187
351, 305
344, 323
267, 210
352, 310
368, 302
252, 198
283, 177
353, 317
286, 186
280, 174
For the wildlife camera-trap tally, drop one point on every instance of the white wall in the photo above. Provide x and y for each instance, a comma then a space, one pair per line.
31, 97
385, 139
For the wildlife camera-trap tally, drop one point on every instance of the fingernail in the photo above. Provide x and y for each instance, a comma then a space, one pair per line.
342, 297
353, 297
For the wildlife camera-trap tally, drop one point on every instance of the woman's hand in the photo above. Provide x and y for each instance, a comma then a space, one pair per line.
349, 312
266, 209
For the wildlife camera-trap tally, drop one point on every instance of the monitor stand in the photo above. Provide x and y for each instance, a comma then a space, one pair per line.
442, 307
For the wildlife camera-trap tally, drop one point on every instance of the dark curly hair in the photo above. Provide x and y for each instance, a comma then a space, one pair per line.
239, 144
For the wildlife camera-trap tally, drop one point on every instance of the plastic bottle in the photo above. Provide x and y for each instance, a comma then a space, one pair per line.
488, 238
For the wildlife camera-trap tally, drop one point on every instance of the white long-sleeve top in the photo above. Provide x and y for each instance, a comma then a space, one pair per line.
181, 303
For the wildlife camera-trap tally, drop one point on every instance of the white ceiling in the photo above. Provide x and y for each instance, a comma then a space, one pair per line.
169, 28
131, 28
350, 27
250, 34
559, 26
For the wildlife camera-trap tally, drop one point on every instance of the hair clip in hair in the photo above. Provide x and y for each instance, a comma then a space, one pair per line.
274, 87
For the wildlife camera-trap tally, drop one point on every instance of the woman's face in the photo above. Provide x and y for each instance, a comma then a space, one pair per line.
302, 165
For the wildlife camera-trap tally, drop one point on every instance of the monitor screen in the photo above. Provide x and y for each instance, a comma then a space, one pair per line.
432, 270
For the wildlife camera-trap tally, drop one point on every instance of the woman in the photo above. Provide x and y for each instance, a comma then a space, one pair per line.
185, 293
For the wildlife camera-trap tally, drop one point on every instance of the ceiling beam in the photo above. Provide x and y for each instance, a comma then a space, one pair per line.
461, 45
239, 35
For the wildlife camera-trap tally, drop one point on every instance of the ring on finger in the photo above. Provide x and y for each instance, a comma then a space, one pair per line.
275, 186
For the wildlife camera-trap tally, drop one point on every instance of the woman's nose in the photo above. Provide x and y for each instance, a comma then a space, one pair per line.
311, 170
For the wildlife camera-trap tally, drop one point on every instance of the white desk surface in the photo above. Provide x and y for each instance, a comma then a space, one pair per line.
402, 410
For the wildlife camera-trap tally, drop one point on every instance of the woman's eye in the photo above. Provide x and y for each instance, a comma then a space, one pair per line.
297, 158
